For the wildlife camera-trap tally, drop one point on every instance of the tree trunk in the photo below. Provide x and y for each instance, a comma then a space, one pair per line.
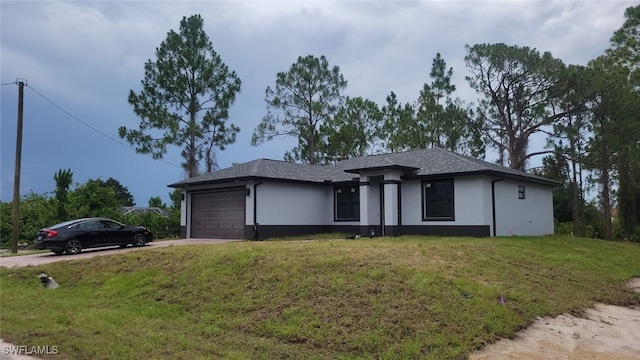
576, 191
606, 202
312, 142
517, 153
576, 205
192, 162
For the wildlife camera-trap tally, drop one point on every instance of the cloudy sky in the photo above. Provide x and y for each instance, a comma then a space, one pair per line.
81, 58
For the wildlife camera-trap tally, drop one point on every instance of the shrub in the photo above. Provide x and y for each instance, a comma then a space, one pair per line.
162, 227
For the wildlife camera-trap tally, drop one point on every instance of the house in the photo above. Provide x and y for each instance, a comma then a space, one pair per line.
425, 192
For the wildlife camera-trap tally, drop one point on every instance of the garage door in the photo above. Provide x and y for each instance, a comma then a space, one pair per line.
218, 214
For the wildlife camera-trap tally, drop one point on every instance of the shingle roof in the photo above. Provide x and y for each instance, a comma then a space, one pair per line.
425, 162
271, 169
434, 161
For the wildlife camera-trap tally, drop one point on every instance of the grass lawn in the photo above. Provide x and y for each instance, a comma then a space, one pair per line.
383, 298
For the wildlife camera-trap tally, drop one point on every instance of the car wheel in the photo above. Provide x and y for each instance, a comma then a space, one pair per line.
139, 239
123, 245
57, 251
73, 247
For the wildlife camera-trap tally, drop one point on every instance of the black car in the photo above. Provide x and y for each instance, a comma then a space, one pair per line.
73, 236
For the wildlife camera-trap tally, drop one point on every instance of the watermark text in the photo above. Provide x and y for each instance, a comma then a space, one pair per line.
29, 350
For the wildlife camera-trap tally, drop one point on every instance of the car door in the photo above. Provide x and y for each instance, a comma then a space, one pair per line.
114, 234
88, 232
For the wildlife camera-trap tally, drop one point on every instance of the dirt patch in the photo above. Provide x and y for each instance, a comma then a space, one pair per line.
605, 332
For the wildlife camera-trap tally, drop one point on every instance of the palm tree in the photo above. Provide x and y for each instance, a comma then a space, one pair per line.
63, 179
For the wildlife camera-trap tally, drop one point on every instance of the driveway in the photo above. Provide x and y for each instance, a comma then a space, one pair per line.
45, 258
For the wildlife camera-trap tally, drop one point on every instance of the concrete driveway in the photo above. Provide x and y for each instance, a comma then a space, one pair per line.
45, 258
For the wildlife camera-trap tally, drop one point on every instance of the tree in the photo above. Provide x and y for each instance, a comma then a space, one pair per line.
625, 43
6, 223
122, 194
93, 198
354, 131
186, 94
614, 115
568, 140
36, 212
176, 199
441, 120
625, 54
156, 201
397, 123
613, 128
304, 98
520, 87
554, 167
63, 179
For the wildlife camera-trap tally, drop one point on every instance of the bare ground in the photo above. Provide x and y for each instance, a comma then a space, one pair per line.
605, 332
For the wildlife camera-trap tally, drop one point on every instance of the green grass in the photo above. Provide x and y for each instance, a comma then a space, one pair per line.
383, 298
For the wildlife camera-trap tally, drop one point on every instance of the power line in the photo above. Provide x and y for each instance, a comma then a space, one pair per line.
92, 128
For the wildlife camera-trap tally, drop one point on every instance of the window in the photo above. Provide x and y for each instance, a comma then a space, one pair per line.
438, 200
111, 224
521, 193
87, 225
347, 202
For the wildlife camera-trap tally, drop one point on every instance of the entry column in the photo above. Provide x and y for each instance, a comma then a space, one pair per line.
364, 205
391, 204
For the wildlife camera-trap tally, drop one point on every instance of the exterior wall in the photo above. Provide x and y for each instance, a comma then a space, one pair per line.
472, 202
532, 215
293, 204
472, 209
287, 208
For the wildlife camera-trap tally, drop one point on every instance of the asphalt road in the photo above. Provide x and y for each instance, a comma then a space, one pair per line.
49, 257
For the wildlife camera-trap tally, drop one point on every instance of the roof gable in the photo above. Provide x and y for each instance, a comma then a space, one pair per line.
436, 162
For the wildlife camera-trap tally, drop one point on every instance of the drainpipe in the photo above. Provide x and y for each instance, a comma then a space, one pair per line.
493, 202
256, 230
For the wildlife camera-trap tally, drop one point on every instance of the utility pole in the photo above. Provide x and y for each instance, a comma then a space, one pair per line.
16, 178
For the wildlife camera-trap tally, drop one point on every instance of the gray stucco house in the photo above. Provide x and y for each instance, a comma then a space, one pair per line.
426, 192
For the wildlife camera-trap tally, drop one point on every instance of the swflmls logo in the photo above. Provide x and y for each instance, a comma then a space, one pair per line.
30, 350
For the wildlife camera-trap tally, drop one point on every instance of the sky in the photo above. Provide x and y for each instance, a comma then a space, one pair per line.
80, 59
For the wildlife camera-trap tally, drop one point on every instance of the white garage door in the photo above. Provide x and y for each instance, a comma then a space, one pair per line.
218, 214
